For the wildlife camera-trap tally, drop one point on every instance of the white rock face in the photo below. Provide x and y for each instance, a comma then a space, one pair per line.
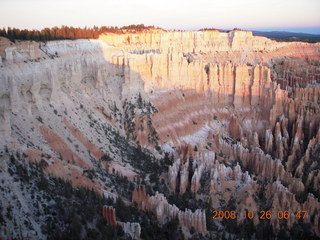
132, 229
195, 181
33, 75
165, 212
173, 174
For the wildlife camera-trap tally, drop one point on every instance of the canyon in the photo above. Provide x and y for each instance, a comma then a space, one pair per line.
175, 124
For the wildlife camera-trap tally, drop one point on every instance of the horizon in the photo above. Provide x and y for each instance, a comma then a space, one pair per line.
313, 31
291, 16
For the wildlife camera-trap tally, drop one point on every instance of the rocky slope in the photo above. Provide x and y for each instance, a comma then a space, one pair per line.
203, 120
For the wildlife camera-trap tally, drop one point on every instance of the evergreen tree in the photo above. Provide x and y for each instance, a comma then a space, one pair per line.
65, 32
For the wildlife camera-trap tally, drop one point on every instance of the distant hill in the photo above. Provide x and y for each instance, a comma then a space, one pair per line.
288, 36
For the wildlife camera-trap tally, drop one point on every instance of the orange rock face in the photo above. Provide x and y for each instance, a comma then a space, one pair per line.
96, 152
60, 147
109, 214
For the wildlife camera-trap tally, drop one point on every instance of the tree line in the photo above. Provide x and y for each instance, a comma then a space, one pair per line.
66, 32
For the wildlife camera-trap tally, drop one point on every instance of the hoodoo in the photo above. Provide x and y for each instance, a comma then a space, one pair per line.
155, 131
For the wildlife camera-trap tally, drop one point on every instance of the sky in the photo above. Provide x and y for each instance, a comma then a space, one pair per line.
289, 15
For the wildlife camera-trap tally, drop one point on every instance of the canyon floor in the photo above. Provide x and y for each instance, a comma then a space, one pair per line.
160, 135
